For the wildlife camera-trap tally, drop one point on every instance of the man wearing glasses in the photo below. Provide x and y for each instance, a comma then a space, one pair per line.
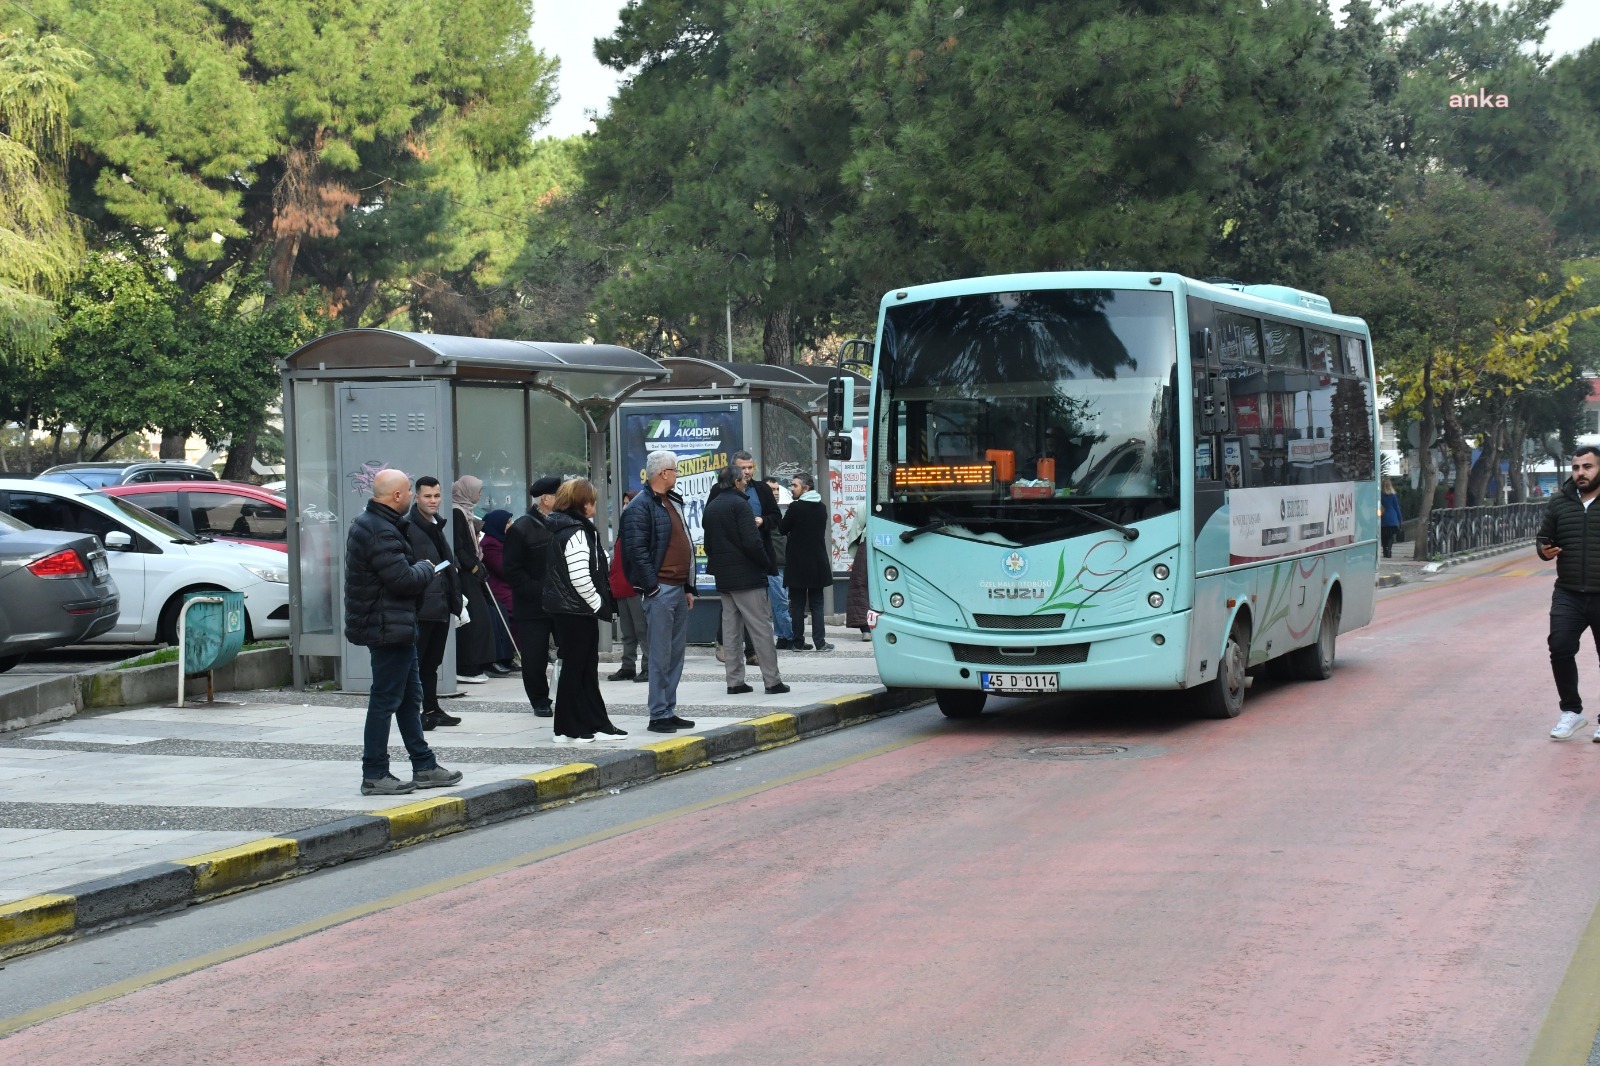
658, 560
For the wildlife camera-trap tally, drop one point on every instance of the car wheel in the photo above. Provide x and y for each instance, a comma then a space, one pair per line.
167, 627
1314, 662
1223, 697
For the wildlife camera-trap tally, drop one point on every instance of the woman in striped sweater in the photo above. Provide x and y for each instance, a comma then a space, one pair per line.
577, 596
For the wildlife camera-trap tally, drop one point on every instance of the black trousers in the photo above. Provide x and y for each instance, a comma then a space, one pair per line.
799, 600
1570, 614
535, 634
431, 639
1389, 534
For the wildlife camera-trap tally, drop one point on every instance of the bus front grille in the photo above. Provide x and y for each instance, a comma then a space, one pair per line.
1044, 655
1019, 621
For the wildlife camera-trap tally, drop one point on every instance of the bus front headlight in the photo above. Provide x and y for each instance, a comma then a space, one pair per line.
897, 600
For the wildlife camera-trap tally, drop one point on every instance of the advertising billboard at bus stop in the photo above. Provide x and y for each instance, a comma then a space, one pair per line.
703, 437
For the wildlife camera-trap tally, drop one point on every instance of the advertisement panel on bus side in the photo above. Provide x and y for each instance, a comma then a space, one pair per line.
1271, 522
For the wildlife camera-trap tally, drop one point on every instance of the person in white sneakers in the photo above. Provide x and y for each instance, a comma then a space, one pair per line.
1570, 535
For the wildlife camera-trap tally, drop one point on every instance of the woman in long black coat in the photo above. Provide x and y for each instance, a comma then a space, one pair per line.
577, 596
808, 569
475, 640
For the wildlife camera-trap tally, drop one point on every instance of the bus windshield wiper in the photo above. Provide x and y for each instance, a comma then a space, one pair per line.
912, 534
1126, 531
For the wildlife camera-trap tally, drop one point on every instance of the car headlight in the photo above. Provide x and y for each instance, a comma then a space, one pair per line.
276, 574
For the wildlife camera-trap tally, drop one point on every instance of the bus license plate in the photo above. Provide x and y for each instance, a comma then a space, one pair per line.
1020, 684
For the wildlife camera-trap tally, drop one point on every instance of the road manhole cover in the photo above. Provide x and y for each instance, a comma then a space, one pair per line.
1080, 751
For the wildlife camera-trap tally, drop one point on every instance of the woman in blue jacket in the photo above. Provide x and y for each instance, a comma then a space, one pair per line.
1390, 522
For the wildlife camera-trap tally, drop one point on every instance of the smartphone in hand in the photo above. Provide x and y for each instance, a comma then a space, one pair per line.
437, 567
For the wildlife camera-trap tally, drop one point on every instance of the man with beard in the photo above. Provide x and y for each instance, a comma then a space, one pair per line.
1571, 536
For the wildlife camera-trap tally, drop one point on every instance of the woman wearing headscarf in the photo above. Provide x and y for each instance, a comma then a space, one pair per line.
493, 544
475, 640
577, 596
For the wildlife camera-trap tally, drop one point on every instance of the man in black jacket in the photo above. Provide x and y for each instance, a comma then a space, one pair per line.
383, 584
442, 599
527, 546
1571, 536
737, 558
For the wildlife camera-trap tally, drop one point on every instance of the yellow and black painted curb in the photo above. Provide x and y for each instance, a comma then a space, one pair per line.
54, 918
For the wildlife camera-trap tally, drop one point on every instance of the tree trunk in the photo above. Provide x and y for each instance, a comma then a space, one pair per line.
172, 445
1427, 430
777, 338
106, 447
285, 250
360, 299
240, 452
1460, 451
1487, 467
1516, 448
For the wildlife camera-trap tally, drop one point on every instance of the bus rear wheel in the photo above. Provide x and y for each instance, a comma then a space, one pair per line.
1223, 697
1314, 662
960, 702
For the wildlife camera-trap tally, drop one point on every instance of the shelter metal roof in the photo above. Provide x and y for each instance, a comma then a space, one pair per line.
480, 357
692, 373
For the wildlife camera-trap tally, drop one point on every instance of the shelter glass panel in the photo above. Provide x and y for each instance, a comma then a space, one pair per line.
490, 445
559, 441
316, 503
787, 444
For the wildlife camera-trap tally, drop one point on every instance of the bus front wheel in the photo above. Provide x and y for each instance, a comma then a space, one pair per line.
1223, 697
960, 702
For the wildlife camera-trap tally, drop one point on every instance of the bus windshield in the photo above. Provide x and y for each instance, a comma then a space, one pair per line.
1008, 415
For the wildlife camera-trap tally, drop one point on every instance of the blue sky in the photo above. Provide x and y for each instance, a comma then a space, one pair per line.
567, 30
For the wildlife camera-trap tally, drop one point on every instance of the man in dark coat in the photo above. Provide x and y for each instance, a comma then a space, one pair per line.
440, 602
658, 560
526, 554
383, 586
809, 569
740, 562
1570, 534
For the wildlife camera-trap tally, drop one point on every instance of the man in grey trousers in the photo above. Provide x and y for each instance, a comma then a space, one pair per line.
737, 558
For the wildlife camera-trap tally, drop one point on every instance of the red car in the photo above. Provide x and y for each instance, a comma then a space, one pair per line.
226, 510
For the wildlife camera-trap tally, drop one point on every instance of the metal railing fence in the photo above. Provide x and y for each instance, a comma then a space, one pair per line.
1463, 529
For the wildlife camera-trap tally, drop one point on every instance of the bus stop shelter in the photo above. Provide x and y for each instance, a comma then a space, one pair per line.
705, 412
363, 400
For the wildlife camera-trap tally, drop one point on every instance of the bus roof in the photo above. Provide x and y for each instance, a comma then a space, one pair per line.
1263, 299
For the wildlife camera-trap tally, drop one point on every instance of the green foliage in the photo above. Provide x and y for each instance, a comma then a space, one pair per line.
136, 352
39, 241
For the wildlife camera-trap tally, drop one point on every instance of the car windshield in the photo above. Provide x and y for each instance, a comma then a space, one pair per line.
89, 477
1009, 414
149, 524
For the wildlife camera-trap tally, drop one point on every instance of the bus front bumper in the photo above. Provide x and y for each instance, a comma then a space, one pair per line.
1144, 655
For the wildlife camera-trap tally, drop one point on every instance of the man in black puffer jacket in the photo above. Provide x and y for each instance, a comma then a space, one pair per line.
524, 562
739, 560
1571, 536
441, 601
383, 587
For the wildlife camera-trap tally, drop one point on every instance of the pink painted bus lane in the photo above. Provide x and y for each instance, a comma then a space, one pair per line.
1389, 867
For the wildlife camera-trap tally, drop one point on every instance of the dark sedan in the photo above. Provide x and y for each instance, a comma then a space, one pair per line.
55, 589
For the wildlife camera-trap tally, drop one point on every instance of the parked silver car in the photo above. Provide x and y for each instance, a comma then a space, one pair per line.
55, 589
99, 475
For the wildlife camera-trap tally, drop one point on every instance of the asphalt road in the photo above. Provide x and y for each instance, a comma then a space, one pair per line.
1393, 866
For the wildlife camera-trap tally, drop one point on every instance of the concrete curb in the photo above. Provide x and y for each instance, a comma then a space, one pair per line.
57, 917
1389, 581
52, 699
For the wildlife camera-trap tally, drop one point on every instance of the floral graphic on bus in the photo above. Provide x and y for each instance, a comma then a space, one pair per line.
1099, 572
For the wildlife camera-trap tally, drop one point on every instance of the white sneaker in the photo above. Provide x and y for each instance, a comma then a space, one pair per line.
1571, 722
559, 739
1596, 737
472, 679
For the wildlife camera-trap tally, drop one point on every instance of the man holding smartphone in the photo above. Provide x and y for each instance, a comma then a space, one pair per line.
1570, 534
441, 601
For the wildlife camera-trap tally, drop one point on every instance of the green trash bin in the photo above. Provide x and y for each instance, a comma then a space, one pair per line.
213, 630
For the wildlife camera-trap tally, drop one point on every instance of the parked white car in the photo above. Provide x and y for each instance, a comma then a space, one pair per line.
155, 562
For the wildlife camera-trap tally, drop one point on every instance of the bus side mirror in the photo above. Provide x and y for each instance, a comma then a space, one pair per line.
841, 405
1216, 408
1208, 347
